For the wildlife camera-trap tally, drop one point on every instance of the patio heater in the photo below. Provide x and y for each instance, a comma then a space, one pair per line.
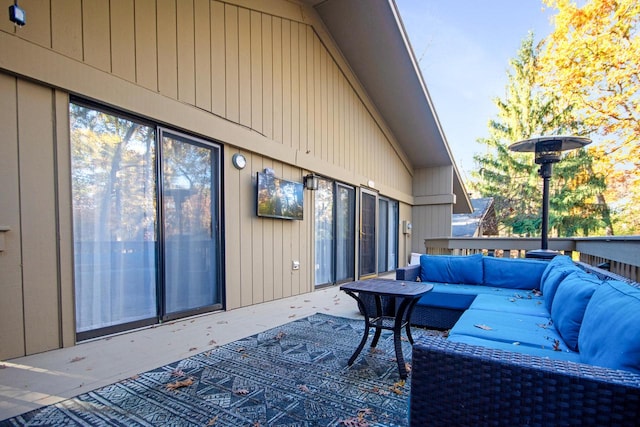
547, 151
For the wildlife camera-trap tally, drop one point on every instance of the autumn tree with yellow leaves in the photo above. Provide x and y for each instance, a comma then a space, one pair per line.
592, 60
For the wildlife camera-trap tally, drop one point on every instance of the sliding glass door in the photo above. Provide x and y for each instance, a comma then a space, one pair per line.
388, 235
368, 232
189, 224
145, 222
335, 233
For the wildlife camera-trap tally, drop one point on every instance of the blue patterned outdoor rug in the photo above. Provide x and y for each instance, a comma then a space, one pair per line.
293, 375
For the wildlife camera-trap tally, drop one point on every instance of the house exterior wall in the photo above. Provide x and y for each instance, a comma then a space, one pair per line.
260, 78
433, 205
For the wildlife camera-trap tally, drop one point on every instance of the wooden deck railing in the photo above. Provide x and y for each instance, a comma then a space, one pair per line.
621, 254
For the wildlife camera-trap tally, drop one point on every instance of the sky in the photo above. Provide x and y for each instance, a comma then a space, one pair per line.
463, 48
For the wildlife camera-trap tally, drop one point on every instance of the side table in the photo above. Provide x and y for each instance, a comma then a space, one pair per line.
408, 292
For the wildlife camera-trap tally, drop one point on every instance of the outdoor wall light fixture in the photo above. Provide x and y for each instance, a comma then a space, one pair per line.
311, 182
239, 161
547, 151
17, 15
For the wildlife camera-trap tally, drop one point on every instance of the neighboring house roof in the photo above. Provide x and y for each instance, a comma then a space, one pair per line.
481, 222
386, 66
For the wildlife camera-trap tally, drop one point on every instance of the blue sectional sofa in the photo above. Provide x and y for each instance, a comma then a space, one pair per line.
530, 343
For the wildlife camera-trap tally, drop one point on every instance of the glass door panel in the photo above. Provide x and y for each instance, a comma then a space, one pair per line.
368, 208
383, 235
345, 233
324, 222
189, 218
113, 186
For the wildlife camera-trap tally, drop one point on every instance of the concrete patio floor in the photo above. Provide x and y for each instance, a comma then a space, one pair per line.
42, 379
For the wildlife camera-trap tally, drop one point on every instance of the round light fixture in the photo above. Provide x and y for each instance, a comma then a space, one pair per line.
239, 161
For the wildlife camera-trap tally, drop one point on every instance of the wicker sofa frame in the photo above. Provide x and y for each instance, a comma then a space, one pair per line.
461, 384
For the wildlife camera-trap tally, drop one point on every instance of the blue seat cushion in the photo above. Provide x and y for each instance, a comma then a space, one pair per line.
610, 332
519, 302
451, 269
525, 329
569, 304
513, 273
460, 297
517, 348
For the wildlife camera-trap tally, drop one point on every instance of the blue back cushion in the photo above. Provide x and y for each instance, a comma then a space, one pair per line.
569, 304
451, 269
513, 273
610, 335
553, 275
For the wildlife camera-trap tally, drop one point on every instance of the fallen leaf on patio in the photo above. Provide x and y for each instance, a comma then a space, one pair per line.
292, 306
397, 387
556, 345
303, 388
241, 349
512, 299
77, 359
177, 373
485, 327
280, 335
359, 420
378, 390
516, 343
292, 316
178, 384
193, 348
407, 366
376, 350
307, 300
404, 339
212, 421
241, 391
537, 292
212, 342
518, 296
134, 377
222, 322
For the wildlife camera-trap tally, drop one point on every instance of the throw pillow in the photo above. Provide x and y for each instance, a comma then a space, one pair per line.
569, 304
610, 335
549, 283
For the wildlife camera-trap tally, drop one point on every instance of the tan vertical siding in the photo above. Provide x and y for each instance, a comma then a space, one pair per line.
244, 66
38, 218
123, 57
256, 72
218, 62
186, 52
96, 35
146, 44
11, 303
167, 49
66, 28
254, 78
267, 76
202, 54
232, 63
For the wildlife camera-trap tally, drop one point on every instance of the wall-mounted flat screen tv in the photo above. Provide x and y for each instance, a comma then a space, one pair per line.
279, 198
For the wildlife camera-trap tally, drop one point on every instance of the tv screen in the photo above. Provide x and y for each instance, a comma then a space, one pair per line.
279, 198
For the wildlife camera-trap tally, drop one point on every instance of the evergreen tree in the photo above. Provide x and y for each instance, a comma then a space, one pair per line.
512, 178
